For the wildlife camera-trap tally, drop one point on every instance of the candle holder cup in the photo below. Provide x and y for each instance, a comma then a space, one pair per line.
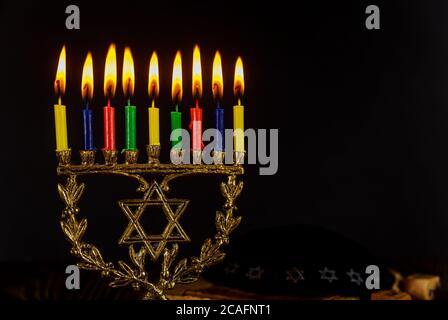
239, 157
110, 157
153, 152
87, 157
197, 156
218, 157
131, 156
64, 157
143, 248
177, 155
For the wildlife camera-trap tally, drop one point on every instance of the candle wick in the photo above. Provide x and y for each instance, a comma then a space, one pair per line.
152, 103
218, 104
58, 90
197, 103
86, 91
108, 103
128, 87
129, 101
177, 107
177, 97
239, 102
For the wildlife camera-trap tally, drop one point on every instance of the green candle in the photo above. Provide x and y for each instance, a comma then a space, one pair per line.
176, 95
176, 123
128, 91
131, 115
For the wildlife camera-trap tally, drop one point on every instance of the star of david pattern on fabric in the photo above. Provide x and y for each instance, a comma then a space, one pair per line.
327, 274
294, 275
254, 273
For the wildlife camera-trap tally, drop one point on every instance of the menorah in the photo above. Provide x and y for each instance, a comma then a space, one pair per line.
153, 179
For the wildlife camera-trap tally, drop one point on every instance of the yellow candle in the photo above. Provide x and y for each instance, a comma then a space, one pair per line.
60, 119
153, 90
154, 139
238, 110
238, 127
61, 127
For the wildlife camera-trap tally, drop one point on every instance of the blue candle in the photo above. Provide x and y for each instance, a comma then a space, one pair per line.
88, 134
219, 125
87, 94
217, 89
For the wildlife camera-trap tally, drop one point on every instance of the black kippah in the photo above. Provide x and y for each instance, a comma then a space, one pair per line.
297, 260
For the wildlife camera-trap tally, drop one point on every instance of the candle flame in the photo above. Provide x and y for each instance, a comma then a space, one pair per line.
110, 72
153, 83
59, 83
238, 87
87, 78
217, 82
128, 73
176, 88
197, 73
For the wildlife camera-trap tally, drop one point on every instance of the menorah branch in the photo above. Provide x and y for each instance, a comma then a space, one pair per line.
155, 169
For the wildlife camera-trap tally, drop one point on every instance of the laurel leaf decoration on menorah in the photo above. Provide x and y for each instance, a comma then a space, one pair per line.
73, 229
138, 258
231, 191
225, 224
92, 258
71, 193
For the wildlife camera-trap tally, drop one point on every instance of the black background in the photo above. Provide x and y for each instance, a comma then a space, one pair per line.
362, 115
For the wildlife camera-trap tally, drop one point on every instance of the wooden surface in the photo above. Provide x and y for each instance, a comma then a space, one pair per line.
205, 290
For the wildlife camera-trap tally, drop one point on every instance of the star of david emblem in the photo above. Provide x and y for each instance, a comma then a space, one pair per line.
135, 233
328, 274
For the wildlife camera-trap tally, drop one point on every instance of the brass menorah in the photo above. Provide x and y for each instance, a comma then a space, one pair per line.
153, 180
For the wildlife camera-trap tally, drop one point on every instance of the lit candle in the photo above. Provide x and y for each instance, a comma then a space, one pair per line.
87, 94
238, 110
196, 112
176, 94
153, 91
60, 118
110, 80
217, 88
128, 91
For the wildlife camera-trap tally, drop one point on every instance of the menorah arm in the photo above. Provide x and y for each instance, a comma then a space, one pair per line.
155, 169
167, 171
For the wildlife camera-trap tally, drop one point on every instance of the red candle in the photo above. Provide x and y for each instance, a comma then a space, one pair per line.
110, 80
196, 127
109, 127
196, 112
